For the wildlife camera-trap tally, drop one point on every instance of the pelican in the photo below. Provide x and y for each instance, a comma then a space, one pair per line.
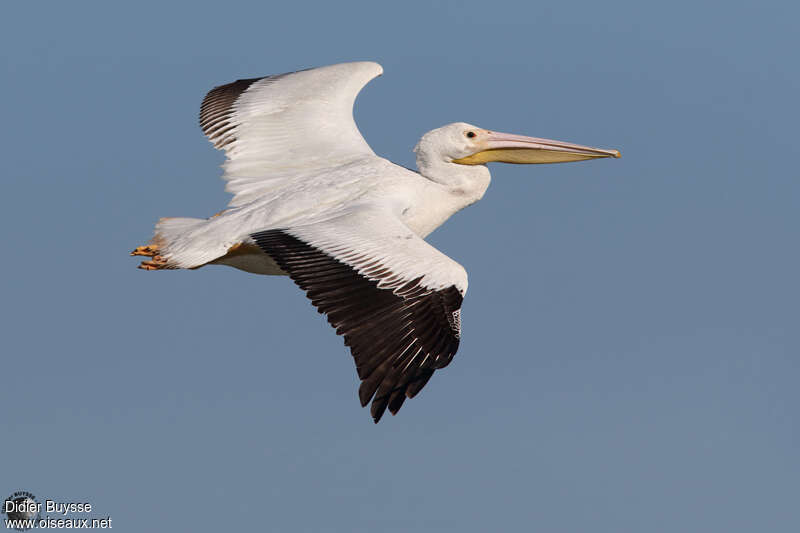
312, 201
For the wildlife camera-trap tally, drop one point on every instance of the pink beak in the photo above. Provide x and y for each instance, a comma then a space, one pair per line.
510, 148
498, 140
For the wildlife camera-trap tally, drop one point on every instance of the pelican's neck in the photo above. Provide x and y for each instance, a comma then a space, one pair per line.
467, 181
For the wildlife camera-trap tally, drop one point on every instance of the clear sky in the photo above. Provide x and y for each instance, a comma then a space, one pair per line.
630, 352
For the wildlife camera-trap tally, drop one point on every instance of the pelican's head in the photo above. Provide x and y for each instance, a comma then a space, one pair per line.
466, 144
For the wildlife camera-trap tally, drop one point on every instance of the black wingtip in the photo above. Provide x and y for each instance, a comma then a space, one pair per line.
377, 410
398, 338
216, 111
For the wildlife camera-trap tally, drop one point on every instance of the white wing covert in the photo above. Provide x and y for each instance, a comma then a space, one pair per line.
286, 126
394, 297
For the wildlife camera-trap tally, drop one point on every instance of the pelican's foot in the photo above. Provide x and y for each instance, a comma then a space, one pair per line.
149, 250
157, 263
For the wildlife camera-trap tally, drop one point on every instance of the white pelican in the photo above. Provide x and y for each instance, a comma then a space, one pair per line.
313, 202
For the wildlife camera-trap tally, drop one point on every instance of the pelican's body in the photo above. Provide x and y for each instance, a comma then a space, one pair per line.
312, 201
421, 204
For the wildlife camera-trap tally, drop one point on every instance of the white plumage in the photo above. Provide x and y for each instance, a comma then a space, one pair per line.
312, 201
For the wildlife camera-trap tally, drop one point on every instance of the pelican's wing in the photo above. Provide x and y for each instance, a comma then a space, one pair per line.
394, 297
288, 125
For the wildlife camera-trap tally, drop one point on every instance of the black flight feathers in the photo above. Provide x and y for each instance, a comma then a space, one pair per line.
397, 337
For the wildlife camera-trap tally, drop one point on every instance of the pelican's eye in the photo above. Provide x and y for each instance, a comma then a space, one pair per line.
470, 134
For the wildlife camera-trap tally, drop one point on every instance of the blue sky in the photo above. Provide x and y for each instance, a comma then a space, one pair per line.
630, 351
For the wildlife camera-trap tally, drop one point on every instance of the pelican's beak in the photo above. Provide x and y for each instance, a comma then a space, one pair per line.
509, 148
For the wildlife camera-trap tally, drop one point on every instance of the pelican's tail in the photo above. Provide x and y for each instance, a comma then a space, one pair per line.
172, 245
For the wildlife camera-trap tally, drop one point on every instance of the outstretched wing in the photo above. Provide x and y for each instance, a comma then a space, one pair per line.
285, 126
394, 297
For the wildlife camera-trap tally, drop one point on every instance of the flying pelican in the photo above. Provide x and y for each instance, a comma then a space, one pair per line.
312, 201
